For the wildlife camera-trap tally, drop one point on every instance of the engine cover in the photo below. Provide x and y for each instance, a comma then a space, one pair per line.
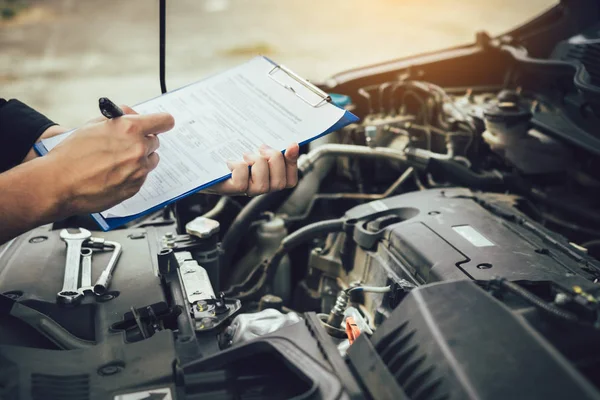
452, 234
453, 340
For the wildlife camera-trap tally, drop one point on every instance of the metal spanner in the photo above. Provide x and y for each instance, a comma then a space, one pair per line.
101, 285
86, 271
74, 239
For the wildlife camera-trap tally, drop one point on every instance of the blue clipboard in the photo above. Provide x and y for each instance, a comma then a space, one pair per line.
107, 224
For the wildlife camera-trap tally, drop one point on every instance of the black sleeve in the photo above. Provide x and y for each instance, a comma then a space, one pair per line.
20, 128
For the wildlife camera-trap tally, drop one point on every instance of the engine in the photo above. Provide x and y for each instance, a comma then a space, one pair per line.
444, 247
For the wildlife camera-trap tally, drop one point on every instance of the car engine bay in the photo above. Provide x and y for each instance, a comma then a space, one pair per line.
447, 246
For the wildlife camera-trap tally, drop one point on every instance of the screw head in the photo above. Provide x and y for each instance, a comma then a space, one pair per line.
38, 239
111, 368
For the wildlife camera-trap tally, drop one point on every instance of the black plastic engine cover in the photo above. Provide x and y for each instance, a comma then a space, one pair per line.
32, 269
452, 340
438, 235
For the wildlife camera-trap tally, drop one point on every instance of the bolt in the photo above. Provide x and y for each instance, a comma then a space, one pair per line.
169, 235
111, 369
561, 298
206, 323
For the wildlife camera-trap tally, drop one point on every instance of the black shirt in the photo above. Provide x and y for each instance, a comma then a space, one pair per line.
20, 128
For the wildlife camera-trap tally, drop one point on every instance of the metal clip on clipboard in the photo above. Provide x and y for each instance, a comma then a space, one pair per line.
322, 95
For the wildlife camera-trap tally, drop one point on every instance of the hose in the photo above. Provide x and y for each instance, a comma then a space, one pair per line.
536, 301
301, 236
462, 175
242, 223
307, 162
309, 185
214, 212
268, 269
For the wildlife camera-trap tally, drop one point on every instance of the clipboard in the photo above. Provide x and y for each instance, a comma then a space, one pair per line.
287, 79
324, 97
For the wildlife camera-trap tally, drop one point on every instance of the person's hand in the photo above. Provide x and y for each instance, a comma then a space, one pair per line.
107, 161
271, 171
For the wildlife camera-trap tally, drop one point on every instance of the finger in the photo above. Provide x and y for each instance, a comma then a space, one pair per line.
277, 170
128, 110
237, 184
153, 124
291, 165
153, 160
259, 174
152, 144
97, 119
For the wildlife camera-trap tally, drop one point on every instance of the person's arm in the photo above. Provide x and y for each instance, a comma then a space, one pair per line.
30, 197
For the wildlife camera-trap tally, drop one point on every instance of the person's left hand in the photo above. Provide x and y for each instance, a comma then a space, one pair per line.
271, 171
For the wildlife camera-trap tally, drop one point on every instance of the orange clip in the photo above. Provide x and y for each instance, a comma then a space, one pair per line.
352, 330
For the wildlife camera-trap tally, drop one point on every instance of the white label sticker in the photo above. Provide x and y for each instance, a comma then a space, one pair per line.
379, 205
152, 394
473, 236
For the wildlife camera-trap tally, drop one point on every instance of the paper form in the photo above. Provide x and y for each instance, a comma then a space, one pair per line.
219, 119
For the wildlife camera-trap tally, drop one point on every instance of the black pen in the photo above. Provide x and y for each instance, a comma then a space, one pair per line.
109, 109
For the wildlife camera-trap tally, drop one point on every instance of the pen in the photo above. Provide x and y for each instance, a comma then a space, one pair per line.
109, 109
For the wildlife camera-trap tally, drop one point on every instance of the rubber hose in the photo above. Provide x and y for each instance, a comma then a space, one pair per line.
301, 236
464, 176
242, 222
217, 209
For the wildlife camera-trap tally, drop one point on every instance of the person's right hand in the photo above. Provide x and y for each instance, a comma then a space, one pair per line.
106, 161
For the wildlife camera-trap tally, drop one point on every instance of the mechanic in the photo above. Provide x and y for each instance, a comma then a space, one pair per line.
100, 165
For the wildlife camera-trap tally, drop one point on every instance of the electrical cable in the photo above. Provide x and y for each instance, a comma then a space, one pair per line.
535, 300
162, 22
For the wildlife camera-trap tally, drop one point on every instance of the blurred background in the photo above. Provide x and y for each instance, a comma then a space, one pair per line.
60, 56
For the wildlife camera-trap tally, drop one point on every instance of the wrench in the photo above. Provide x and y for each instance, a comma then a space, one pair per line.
104, 280
74, 239
86, 271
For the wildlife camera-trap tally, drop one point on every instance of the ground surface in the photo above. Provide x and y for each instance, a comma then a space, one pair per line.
61, 55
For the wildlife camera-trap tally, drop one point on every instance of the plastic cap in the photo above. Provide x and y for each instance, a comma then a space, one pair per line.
340, 100
274, 225
202, 227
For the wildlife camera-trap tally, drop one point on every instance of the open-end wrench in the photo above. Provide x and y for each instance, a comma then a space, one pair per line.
103, 281
86, 271
74, 239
